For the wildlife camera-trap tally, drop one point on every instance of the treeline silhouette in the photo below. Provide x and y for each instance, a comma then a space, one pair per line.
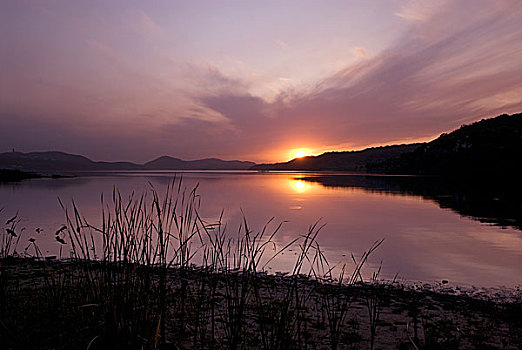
9, 175
488, 147
344, 161
498, 203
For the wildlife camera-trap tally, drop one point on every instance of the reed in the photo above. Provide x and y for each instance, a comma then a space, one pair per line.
155, 275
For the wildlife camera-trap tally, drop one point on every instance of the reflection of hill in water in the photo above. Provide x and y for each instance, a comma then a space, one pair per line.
491, 201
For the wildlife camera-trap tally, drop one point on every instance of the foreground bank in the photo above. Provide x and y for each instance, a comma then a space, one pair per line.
155, 275
72, 304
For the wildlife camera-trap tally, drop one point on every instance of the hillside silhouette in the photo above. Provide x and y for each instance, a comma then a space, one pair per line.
487, 147
54, 161
170, 163
346, 161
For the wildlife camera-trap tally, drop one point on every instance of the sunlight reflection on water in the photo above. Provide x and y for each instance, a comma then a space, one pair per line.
426, 237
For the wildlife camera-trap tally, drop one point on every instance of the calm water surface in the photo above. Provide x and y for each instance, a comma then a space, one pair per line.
431, 232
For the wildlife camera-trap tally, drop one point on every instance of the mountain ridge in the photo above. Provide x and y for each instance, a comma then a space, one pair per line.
52, 161
341, 160
491, 146
171, 163
488, 146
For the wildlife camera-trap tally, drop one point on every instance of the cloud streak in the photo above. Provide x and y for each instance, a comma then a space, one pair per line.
458, 61
429, 82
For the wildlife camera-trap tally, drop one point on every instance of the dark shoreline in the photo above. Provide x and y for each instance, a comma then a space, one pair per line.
15, 175
430, 317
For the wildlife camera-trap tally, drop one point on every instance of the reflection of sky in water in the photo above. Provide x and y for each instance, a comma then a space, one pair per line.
422, 241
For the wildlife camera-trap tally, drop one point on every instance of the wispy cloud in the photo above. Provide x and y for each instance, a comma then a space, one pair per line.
412, 91
360, 52
126, 79
147, 23
420, 10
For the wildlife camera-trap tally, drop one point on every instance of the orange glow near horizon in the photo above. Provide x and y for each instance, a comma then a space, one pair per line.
299, 153
289, 152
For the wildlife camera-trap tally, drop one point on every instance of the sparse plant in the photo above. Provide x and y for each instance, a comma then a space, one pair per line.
154, 272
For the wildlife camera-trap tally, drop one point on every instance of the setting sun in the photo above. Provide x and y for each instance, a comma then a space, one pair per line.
264, 158
299, 153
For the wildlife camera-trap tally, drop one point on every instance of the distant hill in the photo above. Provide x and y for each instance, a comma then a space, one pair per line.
57, 161
346, 161
170, 163
53, 161
488, 147
491, 146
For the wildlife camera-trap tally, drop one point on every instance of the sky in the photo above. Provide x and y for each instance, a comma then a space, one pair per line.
251, 80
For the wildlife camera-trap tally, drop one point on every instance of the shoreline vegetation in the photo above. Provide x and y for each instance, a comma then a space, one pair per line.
13, 175
155, 275
50, 306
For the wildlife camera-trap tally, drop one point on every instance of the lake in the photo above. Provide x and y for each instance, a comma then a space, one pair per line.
467, 233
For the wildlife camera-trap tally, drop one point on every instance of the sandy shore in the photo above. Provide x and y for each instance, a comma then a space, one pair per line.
266, 311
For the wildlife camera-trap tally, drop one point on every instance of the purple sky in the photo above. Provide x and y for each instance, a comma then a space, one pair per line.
252, 80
